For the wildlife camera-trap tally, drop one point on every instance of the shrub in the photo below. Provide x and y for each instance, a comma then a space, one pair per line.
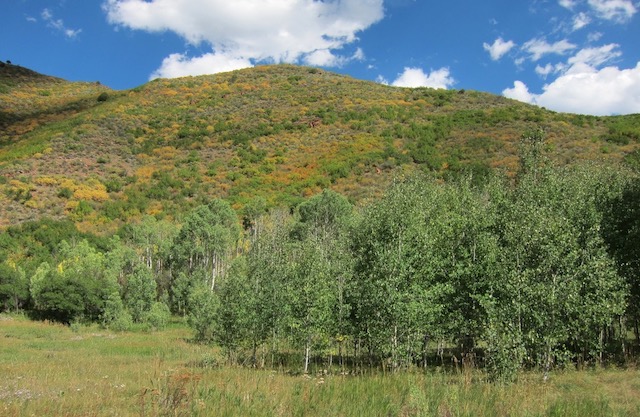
158, 316
103, 97
65, 193
122, 323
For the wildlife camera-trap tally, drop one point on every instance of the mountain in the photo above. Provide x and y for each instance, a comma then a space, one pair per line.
268, 135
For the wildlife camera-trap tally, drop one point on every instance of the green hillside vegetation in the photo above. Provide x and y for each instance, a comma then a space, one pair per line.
302, 221
539, 272
275, 133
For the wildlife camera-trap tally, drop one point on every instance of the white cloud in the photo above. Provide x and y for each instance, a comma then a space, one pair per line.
326, 58
380, 79
544, 71
568, 4
255, 30
520, 92
179, 65
499, 48
416, 77
594, 36
549, 69
58, 24
616, 10
537, 48
595, 57
584, 89
580, 20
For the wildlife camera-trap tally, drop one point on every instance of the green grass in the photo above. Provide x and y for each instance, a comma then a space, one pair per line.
50, 370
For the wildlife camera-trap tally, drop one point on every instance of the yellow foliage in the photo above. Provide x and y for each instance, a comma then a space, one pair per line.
18, 185
93, 190
154, 208
145, 172
166, 152
46, 181
71, 205
32, 203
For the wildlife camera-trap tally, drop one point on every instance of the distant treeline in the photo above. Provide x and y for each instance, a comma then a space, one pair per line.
538, 271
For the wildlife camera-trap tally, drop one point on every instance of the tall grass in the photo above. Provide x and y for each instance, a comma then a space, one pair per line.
51, 370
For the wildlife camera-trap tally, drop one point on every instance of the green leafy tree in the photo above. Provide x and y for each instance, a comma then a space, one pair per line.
238, 312
14, 287
621, 230
77, 288
399, 293
206, 240
203, 313
311, 298
268, 267
139, 293
323, 270
560, 290
152, 240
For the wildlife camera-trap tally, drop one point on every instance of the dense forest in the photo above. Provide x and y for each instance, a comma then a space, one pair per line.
537, 270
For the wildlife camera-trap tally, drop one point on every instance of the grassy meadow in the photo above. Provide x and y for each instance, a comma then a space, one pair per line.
55, 370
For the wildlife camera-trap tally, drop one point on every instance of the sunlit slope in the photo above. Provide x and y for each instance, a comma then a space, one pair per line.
271, 134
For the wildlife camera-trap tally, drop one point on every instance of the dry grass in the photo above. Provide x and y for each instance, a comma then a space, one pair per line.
51, 370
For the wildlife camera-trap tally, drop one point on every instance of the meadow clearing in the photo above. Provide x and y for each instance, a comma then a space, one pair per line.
56, 370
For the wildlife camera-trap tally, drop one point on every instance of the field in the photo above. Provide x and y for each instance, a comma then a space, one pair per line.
54, 370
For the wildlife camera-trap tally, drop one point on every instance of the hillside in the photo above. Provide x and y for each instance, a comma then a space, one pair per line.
272, 135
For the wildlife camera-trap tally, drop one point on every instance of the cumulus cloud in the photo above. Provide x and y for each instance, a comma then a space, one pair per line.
520, 92
58, 24
499, 48
537, 48
253, 31
583, 88
326, 58
179, 65
416, 77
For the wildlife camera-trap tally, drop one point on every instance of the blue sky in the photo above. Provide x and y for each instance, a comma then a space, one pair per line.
580, 56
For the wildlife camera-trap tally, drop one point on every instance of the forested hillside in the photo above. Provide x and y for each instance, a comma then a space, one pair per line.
299, 218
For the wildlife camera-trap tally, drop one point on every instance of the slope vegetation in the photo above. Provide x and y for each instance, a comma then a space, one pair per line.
272, 134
